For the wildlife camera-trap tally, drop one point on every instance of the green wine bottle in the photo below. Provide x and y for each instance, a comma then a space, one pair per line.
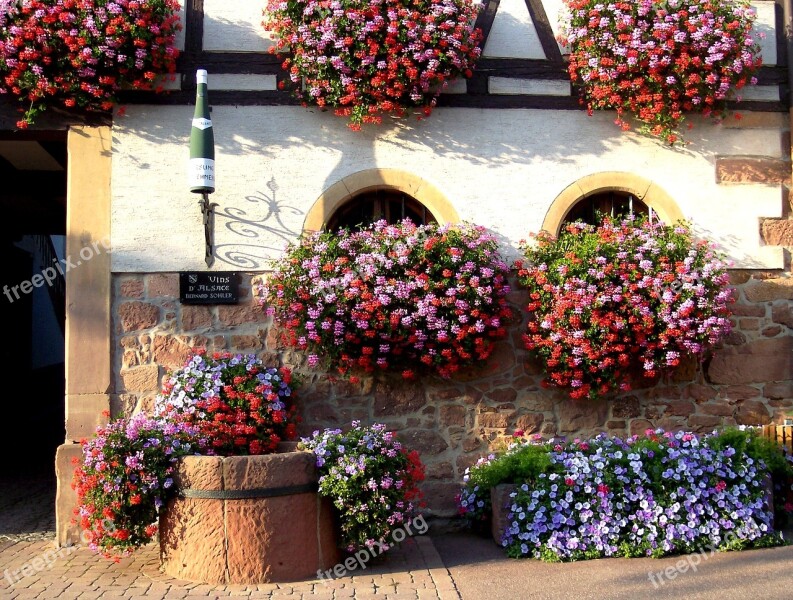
202, 141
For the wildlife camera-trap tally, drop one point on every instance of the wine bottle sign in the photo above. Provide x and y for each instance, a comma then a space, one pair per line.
202, 142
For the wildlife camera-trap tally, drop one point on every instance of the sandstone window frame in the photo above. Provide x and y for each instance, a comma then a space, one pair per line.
645, 190
368, 180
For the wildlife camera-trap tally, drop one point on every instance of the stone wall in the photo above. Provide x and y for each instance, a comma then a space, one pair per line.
453, 422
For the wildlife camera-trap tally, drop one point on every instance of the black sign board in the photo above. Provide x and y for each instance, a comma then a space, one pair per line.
211, 287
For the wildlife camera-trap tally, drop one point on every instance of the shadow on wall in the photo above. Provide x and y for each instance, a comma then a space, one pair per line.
254, 254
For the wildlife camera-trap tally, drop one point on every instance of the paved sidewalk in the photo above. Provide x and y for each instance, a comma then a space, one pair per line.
413, 571
443, 566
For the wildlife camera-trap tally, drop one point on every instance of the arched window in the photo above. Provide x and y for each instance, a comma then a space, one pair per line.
422, 201
606, 191
610, 203
374, 205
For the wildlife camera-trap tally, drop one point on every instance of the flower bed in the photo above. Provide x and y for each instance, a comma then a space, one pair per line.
82, 53
392, 297
664, 493
607, 302
656, 61
368, 58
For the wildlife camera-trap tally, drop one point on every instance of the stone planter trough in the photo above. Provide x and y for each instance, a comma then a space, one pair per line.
500, 502
248, 519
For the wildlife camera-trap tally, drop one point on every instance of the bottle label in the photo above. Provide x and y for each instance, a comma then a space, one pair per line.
202, 173
202, 123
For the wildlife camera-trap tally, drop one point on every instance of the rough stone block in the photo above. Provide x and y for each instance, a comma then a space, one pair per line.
717, 408
493, 420
270, 470
748, 310
782, 313
752, 412
402, 399
279, 537
686, 370
625, 408
145, 378
780, 288
700, 392
704, 422
639, 426
163, 285
681, 408
530, 423
452, 415
246, 343
759, 361
426, 441
136, 316
196, 317
737, 368
200, 473
131, 287
170, 352
439, 496
239, 314
192, 540
581, 415
779, 390
777, 232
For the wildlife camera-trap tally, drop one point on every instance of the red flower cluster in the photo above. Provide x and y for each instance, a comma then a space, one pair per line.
656, 60
233, 401
366, 58
624, 298
80, 53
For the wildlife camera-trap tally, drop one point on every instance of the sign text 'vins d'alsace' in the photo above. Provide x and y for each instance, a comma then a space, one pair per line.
213, 287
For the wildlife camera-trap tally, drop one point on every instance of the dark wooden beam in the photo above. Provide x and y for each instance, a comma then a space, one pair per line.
522, 68
779, 31
484, 21
509, 101
193, 42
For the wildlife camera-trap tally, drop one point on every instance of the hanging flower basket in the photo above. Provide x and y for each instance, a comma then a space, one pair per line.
656, 61
401, 297
621, 299
81, 53
368, 58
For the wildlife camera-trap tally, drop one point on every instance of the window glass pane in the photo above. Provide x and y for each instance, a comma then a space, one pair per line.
368, 207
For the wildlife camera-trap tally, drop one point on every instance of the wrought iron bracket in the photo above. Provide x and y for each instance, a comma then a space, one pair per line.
208, 211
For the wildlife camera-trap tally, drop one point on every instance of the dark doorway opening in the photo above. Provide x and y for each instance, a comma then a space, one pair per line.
32, 299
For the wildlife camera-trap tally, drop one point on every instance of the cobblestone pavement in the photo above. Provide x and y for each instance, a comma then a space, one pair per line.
412, 571
27, 508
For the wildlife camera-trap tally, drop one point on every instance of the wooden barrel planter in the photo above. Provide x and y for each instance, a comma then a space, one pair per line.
248, 519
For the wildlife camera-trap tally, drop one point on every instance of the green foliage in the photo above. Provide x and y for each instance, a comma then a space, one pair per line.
523, 464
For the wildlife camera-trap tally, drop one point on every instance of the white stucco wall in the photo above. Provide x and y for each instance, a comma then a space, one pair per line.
499, 168
235, 26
